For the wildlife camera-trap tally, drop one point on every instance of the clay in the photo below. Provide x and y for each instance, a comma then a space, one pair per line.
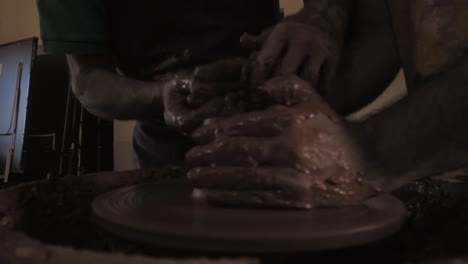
217, 79
163, 213
213, 90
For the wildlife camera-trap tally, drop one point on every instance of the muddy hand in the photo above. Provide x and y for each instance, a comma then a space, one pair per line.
293, 47
184, 118
301, 156
217, 79
210, 91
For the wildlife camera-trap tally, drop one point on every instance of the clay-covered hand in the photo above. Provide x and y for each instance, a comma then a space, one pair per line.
294, 46
296, 156
211, 90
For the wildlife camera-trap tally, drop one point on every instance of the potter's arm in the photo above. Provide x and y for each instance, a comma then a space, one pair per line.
424, 134
108, 95
307, 44
370, 59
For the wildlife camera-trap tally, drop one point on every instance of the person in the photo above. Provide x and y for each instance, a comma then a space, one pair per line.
172, 64
293, 149
301, 153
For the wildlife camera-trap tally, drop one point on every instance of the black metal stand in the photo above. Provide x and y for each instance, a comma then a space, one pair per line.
44, 131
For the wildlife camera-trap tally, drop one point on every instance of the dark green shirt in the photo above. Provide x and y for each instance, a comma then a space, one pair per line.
71, 26
140, 33
149, 31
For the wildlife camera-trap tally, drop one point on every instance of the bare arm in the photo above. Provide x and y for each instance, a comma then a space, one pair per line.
424, 134
370, 59
307, 44
108, 95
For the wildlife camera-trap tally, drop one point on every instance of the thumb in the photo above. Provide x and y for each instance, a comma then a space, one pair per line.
288, 90
255, 42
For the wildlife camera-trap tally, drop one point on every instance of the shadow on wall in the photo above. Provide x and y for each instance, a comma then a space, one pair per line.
291, 6
18, 20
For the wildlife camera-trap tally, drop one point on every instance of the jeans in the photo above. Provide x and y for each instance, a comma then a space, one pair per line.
157, 145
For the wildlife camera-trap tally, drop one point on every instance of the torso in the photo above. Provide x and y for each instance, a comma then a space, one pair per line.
147, 32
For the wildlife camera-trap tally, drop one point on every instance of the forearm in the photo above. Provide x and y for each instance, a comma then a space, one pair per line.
366, 70
362, 29
370, 59
108, 95
424, 134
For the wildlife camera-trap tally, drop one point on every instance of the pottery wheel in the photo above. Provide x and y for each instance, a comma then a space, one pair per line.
165, 214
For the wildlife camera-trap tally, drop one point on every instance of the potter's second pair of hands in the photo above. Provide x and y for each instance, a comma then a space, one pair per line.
298, 153
265, 140
295, 153
296, 45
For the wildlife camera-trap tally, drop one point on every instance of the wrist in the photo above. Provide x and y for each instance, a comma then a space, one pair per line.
157, 97
330, 16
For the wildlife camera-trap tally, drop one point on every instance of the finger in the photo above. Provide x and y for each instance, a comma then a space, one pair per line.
336, 186
234, 103
328, 73
244, 178
268, 57
175, 105
255, 199
316, 197
195, 117
288, 90
311, 70
183, 86
262, 124
201, 92
185, 119
241, 151
351, 194
225, 186
223, 70
292, 60
255, 42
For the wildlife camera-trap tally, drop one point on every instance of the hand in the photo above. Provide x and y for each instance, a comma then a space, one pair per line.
294, 47
211, 90
301, 156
